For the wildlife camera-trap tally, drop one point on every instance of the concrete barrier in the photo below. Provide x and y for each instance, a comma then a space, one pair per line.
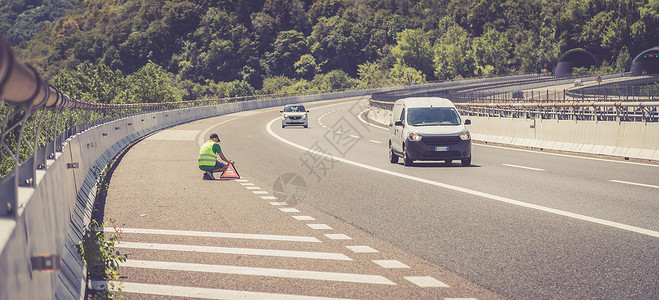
623, 139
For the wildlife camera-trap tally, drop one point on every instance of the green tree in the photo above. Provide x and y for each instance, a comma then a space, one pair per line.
306, 67
89, 82
492, 49
333, 80
401, 74
288, 48
413, 49
453, 54
151, 83
371, 75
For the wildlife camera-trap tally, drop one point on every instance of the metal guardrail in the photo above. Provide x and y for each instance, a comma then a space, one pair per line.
580, 111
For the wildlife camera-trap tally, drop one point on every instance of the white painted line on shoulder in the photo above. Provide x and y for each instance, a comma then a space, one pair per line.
319, 226
289, 210
205, 293
260, 192
634, 183
304, 218
426, 281
362, 249
390, 264
241, 180
238, 251
278, 203
246, 183
567, 155
470, 191
337, 236
246, 236
523, 167
253, 188
374, 141
269, 197
240, 270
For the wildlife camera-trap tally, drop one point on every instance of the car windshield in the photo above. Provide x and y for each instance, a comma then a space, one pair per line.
294, 108
432, 116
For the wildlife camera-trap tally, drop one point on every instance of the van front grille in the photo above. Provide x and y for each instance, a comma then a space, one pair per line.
441, 140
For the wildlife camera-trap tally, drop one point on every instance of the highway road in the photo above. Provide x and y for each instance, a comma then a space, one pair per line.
517, 224
524, 224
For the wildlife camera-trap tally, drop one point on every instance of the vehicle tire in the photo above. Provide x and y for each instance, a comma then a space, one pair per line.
466, 162
306, 126
448, 161
283, 126
406, 159
393, 158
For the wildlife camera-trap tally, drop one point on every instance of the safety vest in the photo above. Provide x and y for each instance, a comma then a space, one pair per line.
206, 155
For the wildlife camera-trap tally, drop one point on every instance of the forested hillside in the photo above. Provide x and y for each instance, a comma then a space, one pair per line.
116, 50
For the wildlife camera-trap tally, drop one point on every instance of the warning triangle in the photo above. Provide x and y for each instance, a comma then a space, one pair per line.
230, 172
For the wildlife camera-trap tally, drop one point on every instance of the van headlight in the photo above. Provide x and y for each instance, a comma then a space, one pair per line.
285, 116
304, 116
465, 136
415, 137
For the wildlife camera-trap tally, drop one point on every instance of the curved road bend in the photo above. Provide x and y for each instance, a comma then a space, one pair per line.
522, 224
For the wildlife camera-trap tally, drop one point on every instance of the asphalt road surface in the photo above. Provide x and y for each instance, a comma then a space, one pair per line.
518, 224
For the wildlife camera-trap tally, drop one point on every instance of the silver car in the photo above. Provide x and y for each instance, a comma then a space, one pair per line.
294, 114
428, 128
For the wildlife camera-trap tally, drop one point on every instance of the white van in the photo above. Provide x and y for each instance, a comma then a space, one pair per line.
428, 128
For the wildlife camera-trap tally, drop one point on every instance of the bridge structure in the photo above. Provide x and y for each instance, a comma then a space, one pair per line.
55, 148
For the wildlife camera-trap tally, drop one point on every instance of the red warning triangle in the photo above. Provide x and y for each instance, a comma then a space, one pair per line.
230, 172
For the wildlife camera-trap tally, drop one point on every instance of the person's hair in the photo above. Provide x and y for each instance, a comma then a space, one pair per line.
214, 135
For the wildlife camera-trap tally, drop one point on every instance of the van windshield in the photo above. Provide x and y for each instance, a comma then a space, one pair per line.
294, 108
433, 116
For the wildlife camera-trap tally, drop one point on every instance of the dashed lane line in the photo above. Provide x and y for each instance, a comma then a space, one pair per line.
637, 184
238, 251
268, 272
203, 293
522, 167
248, 236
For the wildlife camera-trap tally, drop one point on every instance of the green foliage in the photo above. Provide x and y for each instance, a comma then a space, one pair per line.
150, 84
101, 257
413, 49
208, 44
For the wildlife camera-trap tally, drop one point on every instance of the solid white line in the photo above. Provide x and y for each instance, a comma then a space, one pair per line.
469, 191
566, 155
634, 183
205, 293
246, 236
523, 167
240, 270
239, 251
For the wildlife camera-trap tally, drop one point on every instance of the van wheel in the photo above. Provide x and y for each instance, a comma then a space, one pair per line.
306, 126
466, 162
283, 126
406, 158
393, 158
